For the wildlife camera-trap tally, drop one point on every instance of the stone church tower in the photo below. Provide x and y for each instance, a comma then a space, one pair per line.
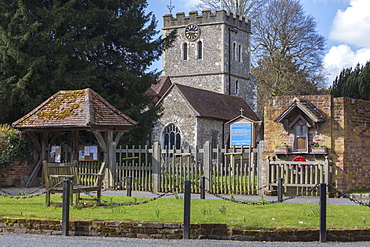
212, 52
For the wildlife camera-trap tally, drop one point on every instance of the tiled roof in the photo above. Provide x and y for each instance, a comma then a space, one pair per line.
306, 107
156, 91
215, 105
75, 109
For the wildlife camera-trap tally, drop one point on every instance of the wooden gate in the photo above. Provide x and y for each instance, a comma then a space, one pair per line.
298, 174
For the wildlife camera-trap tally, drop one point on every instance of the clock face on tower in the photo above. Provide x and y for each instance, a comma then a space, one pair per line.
192, 32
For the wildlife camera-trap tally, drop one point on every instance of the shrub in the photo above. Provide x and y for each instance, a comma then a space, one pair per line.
12, 146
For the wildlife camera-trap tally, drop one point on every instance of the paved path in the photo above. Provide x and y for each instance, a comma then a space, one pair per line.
31, 240
304, 199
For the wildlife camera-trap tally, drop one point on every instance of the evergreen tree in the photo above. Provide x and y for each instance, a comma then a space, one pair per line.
47, 46
353, 83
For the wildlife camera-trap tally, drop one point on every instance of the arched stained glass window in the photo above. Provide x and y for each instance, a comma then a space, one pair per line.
172, 136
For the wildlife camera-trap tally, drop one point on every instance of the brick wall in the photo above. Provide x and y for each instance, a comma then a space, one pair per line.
356, 147
345, 132
159, 230
16, 174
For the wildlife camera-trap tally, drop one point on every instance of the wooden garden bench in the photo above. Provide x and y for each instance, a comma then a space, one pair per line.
54, 173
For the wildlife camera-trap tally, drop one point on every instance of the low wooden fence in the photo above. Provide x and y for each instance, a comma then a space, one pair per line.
160, 170
227, 170
299, 174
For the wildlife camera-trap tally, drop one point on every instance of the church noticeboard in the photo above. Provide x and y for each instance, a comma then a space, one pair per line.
88, 153
241, 134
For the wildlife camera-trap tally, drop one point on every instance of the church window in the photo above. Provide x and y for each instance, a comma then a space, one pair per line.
236, 87
172, 136
240, 53
200, 50
185, 51
234, 51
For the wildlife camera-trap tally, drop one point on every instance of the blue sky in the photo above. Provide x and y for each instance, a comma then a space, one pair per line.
344, 23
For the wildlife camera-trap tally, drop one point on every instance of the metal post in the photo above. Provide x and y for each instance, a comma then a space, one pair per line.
322, 212
65, 204
280, 189
129, 185
202, 188
187, 210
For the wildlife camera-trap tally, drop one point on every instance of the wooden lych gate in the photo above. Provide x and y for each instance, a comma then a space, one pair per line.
74, 111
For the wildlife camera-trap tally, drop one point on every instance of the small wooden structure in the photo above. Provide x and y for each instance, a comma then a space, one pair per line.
74, 111
55, 173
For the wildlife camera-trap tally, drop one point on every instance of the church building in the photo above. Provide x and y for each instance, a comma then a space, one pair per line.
206, 79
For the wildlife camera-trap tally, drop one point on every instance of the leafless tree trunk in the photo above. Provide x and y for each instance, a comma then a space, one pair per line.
288, 51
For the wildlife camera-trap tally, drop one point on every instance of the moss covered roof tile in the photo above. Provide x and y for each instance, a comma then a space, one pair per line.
75, 108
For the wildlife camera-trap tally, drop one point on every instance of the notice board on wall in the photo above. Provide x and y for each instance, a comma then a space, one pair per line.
55, 154
88, 153
241, 134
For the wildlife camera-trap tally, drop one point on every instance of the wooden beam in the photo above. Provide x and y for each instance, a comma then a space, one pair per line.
99, 137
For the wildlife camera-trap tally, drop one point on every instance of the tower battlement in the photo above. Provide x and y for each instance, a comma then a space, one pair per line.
207, 17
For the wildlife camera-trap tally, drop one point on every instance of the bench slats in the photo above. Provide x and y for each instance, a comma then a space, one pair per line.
55, 173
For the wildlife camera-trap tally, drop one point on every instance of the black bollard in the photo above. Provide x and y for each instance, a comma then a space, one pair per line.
66, 204
323, 212
202, 187
129, 185
187, 199
280, 189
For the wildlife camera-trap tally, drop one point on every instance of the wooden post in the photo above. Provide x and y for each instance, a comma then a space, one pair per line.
65, 209
260, 148
202, 189
187, 199
327, 171
156, 166
74, 153
322, 212
207, 164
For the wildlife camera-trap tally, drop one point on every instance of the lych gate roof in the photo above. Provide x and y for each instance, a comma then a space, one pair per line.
80, 109
215, 105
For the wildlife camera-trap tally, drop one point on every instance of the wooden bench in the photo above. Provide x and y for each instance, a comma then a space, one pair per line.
55, 173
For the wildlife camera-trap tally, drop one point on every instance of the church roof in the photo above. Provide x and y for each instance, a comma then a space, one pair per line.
80, 109
156, 91
215, 105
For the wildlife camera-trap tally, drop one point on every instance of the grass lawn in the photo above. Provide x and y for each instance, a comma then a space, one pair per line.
360, 191
280, 215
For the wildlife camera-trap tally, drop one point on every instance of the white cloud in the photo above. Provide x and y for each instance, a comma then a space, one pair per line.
352, 26
342, 56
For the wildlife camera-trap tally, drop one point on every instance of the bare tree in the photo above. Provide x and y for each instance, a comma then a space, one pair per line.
288, 51
246, 8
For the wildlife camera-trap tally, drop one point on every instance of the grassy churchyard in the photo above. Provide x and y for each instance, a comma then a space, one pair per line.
272, 216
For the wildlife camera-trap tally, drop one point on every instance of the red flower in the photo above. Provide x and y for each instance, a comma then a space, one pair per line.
299, 158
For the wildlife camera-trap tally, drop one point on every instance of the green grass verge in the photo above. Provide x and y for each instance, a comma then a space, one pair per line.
359, 191
281, 215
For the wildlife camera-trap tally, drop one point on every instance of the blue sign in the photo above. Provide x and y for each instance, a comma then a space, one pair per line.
241, 134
